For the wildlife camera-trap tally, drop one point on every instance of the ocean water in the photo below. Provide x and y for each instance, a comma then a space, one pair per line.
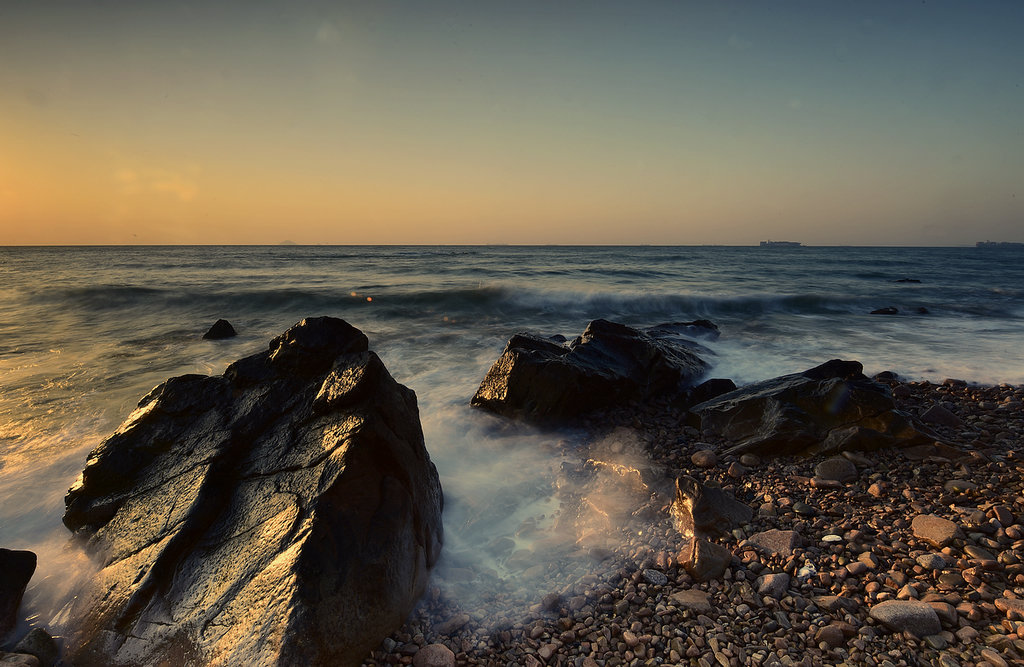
85, 332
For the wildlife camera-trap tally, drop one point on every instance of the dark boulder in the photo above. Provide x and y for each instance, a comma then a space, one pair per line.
284, 513
829, 408
888, 310
708, 390
16, 569
221, 329
609, 364
706, 511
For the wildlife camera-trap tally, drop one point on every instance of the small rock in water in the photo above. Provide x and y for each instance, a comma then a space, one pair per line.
221, 329
434, 655
888, 310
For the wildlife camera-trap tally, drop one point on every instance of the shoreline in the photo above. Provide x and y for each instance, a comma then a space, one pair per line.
634, 608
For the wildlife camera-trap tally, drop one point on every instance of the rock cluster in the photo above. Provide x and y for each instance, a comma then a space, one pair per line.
286, 512
543, 380
830, 408
840, 573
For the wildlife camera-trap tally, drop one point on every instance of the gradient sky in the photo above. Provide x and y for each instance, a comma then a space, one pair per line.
875, 123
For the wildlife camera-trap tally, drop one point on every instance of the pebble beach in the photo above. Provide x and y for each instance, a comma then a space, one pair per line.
894, 557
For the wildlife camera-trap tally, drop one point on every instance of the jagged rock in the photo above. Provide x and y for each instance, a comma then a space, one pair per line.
935, 530
40, 644
705, 561
284, 513
18, 660
221, 329
609, 364
913, 616
16, 569
700, 510
829, 408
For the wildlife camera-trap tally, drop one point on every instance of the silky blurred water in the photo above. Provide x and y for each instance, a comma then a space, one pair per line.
85, 332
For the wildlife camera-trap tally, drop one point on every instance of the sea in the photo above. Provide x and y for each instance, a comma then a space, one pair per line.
85, 332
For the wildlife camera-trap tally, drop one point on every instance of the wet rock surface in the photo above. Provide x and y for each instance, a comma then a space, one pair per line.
16, 570
540, 380
286, 512
830, 408
857, 550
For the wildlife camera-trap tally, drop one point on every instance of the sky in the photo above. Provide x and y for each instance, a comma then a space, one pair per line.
669, 122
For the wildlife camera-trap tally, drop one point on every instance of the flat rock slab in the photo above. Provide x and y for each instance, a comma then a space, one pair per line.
775, 541
692, 599
913, 616
830, 408
286, 512
935, 530
541, 380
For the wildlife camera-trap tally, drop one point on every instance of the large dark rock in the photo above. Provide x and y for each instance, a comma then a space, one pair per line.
284, 513
829, 408
543, 381
16, 569
220, 330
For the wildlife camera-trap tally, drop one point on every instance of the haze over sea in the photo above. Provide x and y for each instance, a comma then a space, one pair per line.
85, 332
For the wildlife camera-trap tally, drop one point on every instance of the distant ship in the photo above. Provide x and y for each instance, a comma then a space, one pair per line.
780, 244
996, 244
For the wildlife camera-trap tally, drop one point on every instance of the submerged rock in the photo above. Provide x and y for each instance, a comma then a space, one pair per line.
16, 570
221, 329
830, 408
543, 381
286, 512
